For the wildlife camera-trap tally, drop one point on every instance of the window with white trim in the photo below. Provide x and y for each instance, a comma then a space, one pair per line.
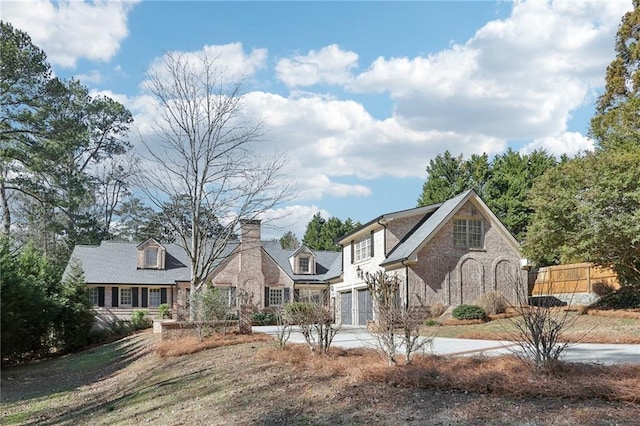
362, 249
154, 297
93, 296
125, 296
468, 233
151, 257
303, 265
228, 294
275, 297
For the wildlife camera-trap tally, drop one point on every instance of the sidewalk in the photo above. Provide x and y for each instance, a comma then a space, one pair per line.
358, 337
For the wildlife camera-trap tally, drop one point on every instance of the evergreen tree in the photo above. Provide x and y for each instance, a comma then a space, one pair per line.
322, 234
289, 241
616, 123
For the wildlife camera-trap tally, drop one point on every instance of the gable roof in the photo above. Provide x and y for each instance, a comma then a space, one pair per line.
324, 262
408, 248
380, 220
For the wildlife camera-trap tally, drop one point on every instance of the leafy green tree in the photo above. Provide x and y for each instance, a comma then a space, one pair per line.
53, 136
27, 305
506, 192
322, 234
73, 326
289, 241
503, 183
616, 122
589, 210
446, 178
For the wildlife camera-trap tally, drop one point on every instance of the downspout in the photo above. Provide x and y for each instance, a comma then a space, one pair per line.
383, 223
406, 284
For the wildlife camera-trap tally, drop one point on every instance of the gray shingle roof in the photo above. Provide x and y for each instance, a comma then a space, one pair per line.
425, 229
324, 261
116, 263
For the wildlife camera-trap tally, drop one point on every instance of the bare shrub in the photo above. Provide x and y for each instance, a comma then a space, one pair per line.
315, 321
538, 329
396, 325
492, 302
284, 328
437, 309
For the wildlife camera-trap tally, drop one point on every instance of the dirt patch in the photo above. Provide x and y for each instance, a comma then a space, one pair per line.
241, 385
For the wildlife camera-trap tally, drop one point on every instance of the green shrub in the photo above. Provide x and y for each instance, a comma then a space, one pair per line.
264, 318
468, 312
140, 320
431, 323
627, 297
602, 288
164, 311
492, 303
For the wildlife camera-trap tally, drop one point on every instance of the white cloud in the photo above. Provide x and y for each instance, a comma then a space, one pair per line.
70, 30
570, 143
229, 62
328, 138
276, 222
94, 76
517, 78
330, 65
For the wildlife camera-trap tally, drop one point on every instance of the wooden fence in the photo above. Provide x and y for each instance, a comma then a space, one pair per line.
573, 278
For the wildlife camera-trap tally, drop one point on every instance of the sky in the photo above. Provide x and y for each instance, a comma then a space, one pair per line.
360, 96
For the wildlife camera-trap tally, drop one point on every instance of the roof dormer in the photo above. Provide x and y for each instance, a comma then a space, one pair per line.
151, 255
303, 261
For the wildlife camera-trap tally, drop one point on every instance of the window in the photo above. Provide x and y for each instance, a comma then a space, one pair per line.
151, 257
275, 297
93, 296
362, 249
154, 297
303, 265
228, 294
468, 233
125, 297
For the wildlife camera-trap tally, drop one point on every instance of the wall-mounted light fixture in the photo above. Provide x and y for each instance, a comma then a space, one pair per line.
359, 272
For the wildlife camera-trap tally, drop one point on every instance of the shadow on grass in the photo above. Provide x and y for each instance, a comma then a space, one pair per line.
46, 378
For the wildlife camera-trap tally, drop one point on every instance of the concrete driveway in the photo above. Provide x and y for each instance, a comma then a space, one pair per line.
358, 337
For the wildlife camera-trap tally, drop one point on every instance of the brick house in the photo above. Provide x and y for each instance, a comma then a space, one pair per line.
123, 277
450, 253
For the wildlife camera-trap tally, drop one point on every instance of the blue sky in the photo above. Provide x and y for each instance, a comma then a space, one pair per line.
360, 95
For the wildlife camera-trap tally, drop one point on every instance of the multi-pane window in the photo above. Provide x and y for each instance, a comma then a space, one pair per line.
228, 294
125, 296
275, 296
362, 249
467, 233
93, 296
154, 297
303, 265
151, 257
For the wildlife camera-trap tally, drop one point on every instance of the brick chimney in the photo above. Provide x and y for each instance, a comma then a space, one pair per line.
250, 277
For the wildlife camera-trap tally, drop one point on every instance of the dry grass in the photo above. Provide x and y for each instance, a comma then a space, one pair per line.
190, 344
618, 313
505, 375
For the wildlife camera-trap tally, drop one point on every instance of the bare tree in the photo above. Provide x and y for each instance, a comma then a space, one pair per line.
205, 154
396, 325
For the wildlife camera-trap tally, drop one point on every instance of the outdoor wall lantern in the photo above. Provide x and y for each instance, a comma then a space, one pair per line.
359, 272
